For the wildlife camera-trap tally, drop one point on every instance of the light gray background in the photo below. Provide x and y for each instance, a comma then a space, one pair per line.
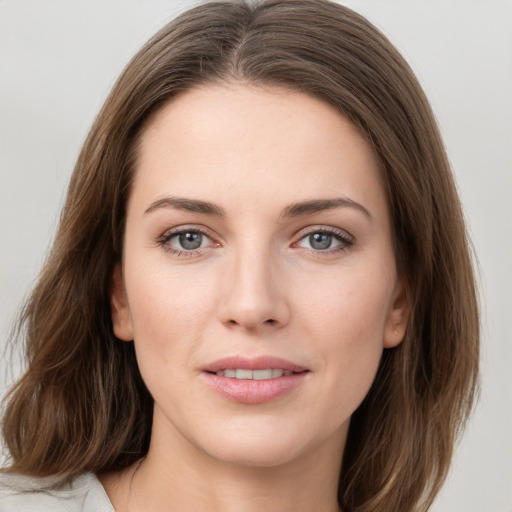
58, 60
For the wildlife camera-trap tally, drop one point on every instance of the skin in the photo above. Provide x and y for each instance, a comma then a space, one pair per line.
257, 286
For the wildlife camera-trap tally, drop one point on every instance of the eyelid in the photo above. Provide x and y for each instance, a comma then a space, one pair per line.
344, 237
163, 239
322, 228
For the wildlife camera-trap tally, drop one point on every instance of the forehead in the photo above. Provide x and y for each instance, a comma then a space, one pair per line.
222, 142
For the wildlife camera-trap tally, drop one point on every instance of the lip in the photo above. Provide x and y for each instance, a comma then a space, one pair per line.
253, 391
258, 363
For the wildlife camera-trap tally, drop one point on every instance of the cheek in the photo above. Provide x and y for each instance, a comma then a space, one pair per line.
163, 298
168, 315
349, 340
347, 319
348, 307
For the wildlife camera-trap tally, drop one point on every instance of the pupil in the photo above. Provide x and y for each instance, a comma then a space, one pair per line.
320, 241
191, 240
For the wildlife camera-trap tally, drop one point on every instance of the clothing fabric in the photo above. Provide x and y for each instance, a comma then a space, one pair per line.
26, 494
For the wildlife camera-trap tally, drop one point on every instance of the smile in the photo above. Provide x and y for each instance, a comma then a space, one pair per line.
254, 380
244, 374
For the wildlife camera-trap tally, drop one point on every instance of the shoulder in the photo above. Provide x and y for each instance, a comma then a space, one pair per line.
27, 494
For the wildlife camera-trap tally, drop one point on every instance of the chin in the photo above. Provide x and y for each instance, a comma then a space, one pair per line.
271, 446
257, 455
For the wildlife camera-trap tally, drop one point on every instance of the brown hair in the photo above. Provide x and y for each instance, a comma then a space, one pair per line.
82, 405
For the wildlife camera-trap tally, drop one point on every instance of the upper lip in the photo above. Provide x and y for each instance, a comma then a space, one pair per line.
257, 363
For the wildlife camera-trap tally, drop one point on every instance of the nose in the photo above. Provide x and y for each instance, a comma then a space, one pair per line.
254, 293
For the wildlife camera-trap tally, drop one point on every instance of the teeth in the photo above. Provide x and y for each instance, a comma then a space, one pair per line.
263, 374
243, 374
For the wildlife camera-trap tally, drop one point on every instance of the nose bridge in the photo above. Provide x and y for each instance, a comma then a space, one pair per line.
253, 296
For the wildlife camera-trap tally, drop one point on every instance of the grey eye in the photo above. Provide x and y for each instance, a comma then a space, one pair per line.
320, 241
190, 240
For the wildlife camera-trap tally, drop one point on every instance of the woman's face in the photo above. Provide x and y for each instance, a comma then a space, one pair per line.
258, 280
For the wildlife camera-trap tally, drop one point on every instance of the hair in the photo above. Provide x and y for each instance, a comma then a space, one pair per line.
82, 405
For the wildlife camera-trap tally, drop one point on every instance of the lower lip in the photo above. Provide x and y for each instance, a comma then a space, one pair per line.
253, 391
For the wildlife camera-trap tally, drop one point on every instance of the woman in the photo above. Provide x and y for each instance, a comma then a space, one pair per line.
260, 292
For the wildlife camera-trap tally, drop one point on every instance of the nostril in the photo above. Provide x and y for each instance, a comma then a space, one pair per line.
250, 325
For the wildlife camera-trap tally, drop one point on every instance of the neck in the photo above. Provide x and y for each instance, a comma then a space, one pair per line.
176, 476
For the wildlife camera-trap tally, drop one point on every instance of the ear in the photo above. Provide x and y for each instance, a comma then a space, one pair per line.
398, 316
119, 308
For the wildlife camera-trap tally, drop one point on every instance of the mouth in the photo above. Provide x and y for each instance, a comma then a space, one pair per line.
253, 381
245, 374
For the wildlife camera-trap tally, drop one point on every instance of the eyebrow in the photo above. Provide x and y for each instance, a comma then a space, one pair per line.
292, 210
189, 205
319, 205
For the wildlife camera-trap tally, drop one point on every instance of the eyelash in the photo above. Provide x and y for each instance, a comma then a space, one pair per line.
163, 241
345, 240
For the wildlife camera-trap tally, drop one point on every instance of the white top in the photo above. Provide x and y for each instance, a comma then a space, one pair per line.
26, 494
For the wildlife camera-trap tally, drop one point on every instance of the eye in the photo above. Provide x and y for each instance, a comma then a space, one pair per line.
185, 241
325, 240
189, 240
320, 241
